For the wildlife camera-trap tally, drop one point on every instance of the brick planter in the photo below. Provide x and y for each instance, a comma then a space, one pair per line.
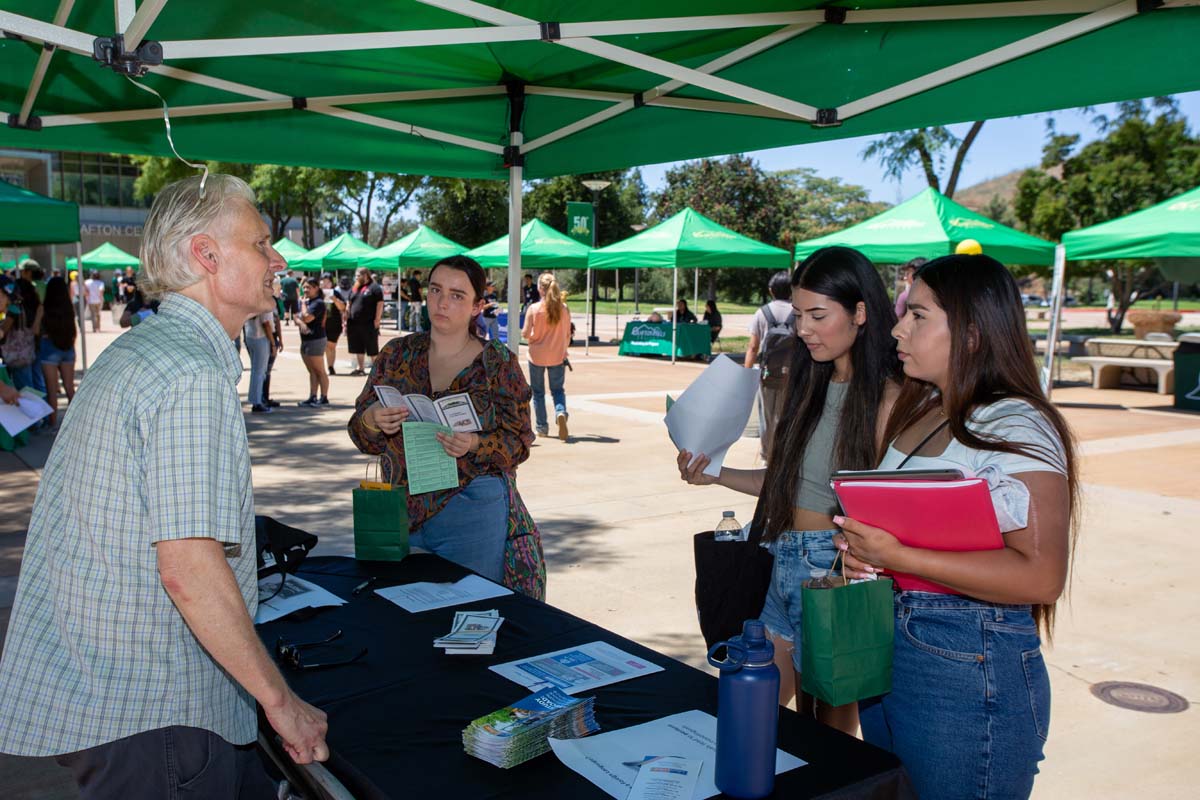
1147, 321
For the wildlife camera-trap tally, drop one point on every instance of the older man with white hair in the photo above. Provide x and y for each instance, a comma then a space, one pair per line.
131, 652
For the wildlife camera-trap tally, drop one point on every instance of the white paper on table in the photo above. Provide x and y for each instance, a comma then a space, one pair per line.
666, 778
426, 596
712, 413
296, 594
611, 760
576, 669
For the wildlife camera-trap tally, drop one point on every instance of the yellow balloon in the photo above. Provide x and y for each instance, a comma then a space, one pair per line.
74, 274
969, 247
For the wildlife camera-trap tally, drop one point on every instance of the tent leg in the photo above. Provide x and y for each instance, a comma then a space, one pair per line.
1175, 297
674, 316
1056, 299
514, 250
696, 293
617, 272
587, 313
637, 294
79, 291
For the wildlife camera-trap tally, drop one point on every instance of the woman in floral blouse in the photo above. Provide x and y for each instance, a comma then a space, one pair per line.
482, 523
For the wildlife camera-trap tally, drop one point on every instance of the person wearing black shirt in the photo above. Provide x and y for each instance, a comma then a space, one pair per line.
713, 318
683, 314
491, 306
363, 315
413, 285
335, 309
312, 343
529, 293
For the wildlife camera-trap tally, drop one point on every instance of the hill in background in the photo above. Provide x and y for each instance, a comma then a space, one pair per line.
978, 197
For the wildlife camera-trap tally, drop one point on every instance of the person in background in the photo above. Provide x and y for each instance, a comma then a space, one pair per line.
972, 401
128, 285
906, 275
94, 289
335, 311
32, 271
777, 318
655, 317
364, 313
529, 292
713, 318
57, 347
290, 289
311, 319
259, 335
548, 331
415, 300
131, 653
18, 333
491, 307
470, 523
402, 322
137, 309
276, 335
683, 314
840, 390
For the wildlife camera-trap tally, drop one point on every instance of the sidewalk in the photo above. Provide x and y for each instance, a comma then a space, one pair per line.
617, 525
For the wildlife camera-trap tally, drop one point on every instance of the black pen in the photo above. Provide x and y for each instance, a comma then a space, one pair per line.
358, 589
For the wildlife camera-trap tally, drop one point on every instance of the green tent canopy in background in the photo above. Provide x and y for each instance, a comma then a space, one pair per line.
342, 252
106, 256
420, 249
689, 240
542, 248
1168, 232
931, 225
289, 249
27, 217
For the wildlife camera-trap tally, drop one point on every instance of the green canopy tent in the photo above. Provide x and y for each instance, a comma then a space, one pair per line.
342, 252
931, 225
420, 249
289, 250
106, 256
543, 88
689, 240
27, 217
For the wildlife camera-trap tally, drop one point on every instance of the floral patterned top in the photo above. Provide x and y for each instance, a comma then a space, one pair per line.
499, 392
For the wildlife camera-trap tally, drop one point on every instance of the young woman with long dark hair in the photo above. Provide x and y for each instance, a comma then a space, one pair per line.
480, 523
840, 389
57, 347
969, 708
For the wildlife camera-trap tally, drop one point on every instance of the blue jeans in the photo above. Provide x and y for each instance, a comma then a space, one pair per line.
969, 708
260, 353
492, 326
537, 382
471, 529
799, 555
23, 376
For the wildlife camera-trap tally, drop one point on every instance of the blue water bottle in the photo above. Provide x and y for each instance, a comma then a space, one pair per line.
747, 713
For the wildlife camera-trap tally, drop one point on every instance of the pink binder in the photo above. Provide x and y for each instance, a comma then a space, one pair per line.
935, 515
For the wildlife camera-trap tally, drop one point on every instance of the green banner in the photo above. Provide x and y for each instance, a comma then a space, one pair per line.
580, 222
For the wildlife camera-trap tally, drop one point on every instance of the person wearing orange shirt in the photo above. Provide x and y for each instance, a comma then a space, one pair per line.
548, 331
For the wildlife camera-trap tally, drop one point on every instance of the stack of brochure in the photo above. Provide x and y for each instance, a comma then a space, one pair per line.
473, 633
517, 733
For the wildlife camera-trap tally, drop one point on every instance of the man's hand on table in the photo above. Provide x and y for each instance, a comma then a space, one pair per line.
302, 728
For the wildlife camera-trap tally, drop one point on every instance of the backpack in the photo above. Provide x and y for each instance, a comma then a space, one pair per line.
776, 349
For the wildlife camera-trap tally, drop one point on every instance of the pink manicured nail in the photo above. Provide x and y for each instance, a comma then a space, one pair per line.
838, 520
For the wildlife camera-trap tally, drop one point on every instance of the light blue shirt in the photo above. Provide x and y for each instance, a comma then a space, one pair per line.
152, 448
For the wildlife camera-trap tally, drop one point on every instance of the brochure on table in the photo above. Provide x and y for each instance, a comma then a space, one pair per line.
426, 596
613, 760
577, 669
295, 594
712, 413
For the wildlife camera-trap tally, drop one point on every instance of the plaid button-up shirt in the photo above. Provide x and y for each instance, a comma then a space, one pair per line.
153, 448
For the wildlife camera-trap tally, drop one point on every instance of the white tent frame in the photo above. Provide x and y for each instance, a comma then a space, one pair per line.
136, 20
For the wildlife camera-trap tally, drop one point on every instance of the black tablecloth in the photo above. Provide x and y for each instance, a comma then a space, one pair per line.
396, 718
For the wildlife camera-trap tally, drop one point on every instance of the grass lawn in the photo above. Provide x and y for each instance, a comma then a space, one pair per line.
610, 307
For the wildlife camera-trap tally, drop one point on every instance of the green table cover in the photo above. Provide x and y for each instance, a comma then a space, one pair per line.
654, 339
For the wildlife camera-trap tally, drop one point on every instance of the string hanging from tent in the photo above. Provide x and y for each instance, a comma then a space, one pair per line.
170, 140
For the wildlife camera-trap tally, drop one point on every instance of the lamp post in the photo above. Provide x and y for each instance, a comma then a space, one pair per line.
637, 302
596, 188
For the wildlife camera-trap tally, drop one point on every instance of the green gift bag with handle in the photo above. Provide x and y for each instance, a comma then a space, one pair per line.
846, 638
380, 521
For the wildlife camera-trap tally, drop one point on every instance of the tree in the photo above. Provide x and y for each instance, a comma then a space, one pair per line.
471, 212
1141, 160
373, 198
817, 206
929, 148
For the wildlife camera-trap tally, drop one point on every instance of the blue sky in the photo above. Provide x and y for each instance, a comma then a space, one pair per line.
1002, 146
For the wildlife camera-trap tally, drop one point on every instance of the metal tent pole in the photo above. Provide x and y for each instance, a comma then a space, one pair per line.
674, 315
617, 272
696, 292
1056, 300
79, 294
514, 250
587, 308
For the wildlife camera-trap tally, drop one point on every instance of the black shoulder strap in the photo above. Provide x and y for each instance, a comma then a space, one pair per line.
924, 442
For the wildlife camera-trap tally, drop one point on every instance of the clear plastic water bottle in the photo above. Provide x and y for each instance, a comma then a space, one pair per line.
747, 713
728, 530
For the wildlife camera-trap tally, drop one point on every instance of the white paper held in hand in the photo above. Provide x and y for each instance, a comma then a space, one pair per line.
712, 413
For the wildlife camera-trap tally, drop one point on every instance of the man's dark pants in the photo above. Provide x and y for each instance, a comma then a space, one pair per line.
170, 763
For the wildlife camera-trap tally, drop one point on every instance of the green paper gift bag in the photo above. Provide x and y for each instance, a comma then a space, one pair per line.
846, 639
380, 521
